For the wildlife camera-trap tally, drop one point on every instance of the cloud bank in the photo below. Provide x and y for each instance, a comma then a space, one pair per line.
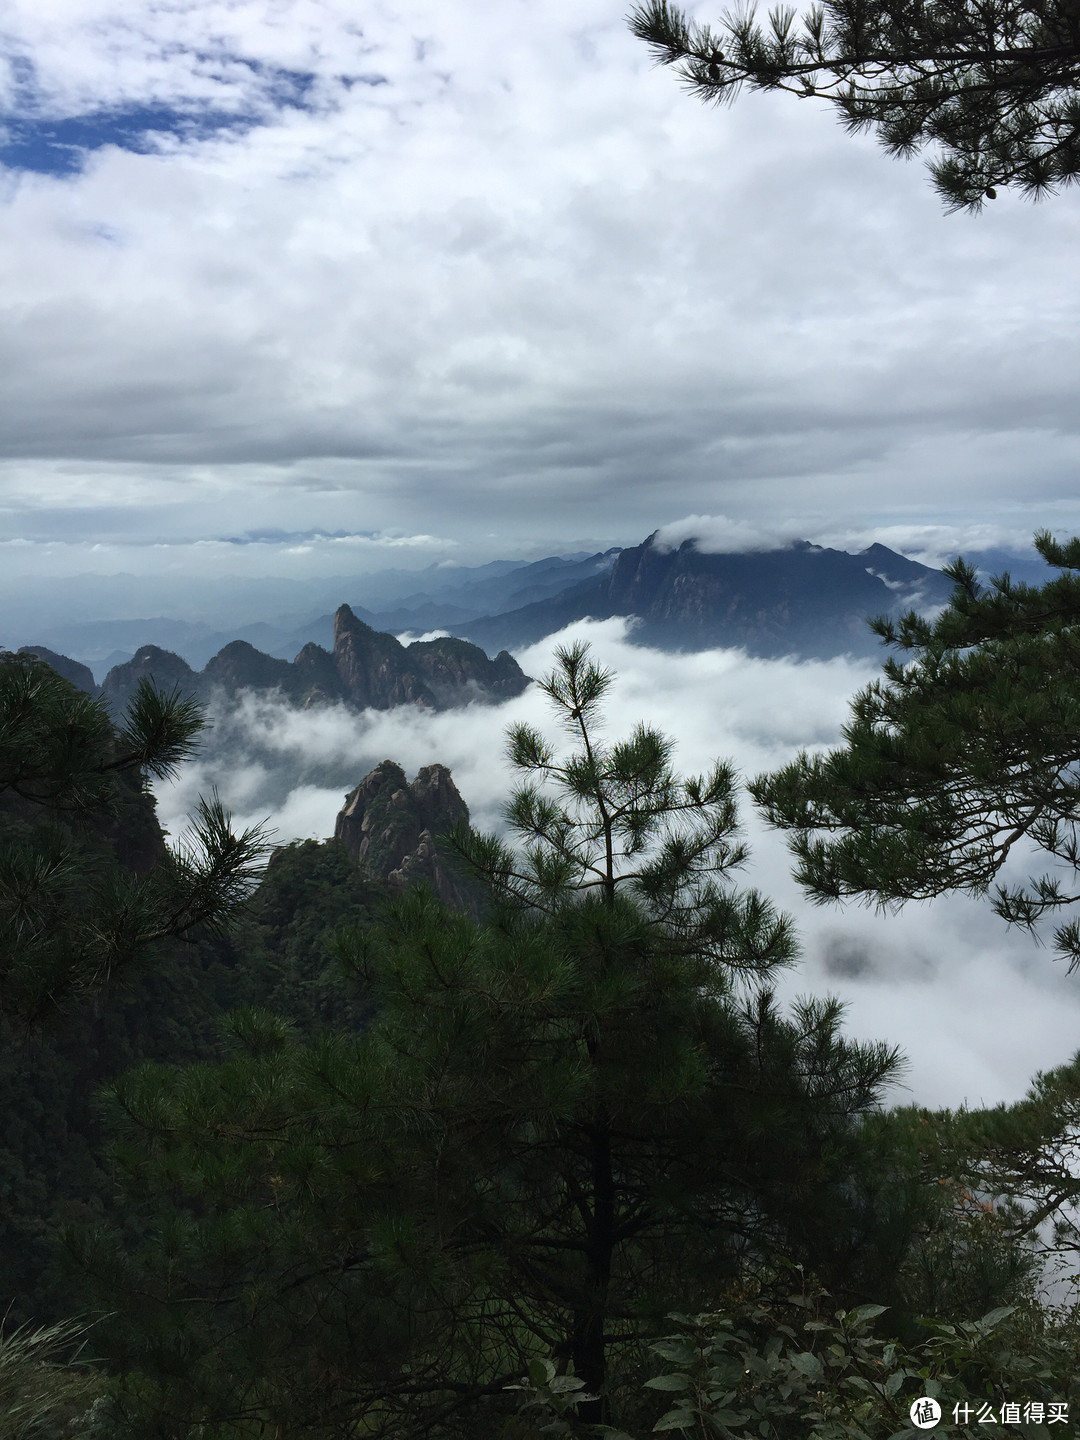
977, 1008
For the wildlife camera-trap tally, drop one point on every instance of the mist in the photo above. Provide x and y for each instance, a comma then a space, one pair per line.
976, 1007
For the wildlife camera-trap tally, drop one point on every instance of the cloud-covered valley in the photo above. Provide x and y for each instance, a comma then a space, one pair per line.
976, 1007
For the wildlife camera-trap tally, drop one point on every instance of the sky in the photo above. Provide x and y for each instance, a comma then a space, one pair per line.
311, 288
976, 1007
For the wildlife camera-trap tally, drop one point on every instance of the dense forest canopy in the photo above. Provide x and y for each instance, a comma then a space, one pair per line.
386, 1169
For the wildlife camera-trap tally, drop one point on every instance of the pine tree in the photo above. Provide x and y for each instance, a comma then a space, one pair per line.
562, 1121
956, 759
87, 888
995, 85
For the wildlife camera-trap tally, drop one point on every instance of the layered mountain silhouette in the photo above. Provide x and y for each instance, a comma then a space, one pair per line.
366, 670
804, 600
417, 601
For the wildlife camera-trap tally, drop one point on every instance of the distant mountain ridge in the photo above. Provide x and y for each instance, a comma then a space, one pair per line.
449, 597
365, 670
804, 599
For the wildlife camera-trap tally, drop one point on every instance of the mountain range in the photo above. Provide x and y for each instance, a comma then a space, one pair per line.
802, 600
366, 670
394, 601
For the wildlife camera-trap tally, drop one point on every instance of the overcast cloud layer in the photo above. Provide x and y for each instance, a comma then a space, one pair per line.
976, 1007
448, 280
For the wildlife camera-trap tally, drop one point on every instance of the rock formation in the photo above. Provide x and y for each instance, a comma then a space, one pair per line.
239, 666
376, 671
456, 671
392, 829
366, 670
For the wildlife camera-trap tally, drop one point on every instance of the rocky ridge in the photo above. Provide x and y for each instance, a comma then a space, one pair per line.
366, 669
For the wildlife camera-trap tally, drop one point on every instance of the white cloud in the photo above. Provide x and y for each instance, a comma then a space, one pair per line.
719, 535
976, 1007
410, 637
526, 284
934, 545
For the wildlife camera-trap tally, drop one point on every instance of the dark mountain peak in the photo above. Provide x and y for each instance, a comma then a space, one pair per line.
78, 675
877, 551
317, 681
438, 799
239, 666
456, 671
166, 669
391, 829
801, 599
375, 669
368, 669
345, 621
898, 570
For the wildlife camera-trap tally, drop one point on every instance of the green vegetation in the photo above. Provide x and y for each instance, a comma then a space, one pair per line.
559, 1124
46, 1391
783, 1365
994, 85
87, 888
381, 1169
955, 759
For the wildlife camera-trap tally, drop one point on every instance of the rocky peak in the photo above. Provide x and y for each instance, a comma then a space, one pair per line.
317, 678
367, 670
375, 669
391, 829
149, 662
239, 666
456, 671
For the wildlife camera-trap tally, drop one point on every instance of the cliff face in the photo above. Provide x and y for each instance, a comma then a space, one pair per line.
239, 666
391, 829
785, 599
317, 678
367, 670
456, 671
376, 670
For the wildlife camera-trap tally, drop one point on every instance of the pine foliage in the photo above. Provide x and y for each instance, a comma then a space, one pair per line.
87, 888
956, 760
993, 86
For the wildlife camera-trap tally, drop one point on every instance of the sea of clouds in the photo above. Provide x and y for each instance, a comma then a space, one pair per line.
976, 1007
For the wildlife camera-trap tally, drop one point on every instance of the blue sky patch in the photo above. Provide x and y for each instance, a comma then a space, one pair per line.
59, 145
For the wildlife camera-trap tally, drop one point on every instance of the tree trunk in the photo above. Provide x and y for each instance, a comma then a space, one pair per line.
590, 1351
